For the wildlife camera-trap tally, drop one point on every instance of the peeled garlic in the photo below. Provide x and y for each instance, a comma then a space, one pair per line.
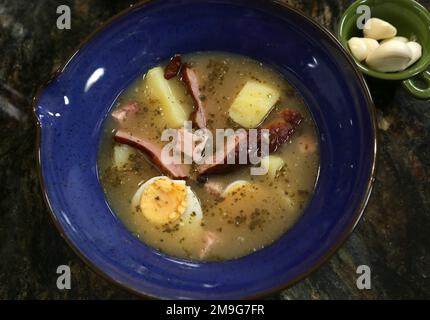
358, 48
372, 44
379, 29
362, 47
417, 51
402, 39
391, 56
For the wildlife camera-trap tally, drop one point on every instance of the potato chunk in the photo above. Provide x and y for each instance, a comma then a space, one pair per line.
273, 164
160, 89
253, 104
121, 155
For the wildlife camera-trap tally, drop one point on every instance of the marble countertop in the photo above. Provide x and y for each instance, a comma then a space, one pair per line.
392, 238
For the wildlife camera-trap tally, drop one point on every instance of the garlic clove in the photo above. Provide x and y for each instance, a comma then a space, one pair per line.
361, 47
402, 39
417, 51
371, 44
379, 29
392, 56
358, 48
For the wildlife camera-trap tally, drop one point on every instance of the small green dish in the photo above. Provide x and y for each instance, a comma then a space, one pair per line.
412, 20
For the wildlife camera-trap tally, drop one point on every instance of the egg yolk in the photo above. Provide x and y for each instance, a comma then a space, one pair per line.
163, 201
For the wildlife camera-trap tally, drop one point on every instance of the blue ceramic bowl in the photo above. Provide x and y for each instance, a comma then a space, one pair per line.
72, 107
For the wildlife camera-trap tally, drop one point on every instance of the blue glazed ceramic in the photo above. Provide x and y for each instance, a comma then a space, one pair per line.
73, 106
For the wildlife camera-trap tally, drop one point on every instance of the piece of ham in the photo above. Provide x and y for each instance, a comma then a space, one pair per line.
189, 77
174, 171
180, 142
190, 144
209, 240
125, 111
214, 188
219, 159
173, 67
282, 128
280, 131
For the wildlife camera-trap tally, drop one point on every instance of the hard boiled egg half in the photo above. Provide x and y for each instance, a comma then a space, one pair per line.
163, 201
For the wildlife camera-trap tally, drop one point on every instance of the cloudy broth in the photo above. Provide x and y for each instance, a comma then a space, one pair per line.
234, 224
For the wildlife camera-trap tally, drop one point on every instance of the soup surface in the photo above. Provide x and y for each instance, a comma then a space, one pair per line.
208, 215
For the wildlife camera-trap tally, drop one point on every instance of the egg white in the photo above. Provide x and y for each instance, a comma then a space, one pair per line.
235, 186
188, 219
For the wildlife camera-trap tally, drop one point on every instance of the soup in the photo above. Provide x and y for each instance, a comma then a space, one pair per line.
219, 209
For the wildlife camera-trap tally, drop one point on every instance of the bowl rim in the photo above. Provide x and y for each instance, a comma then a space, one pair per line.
410, 72
358, 213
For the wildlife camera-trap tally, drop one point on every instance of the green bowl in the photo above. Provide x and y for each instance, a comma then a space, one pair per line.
412, 20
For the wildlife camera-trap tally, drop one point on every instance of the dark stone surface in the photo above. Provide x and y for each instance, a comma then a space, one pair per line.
392, 238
